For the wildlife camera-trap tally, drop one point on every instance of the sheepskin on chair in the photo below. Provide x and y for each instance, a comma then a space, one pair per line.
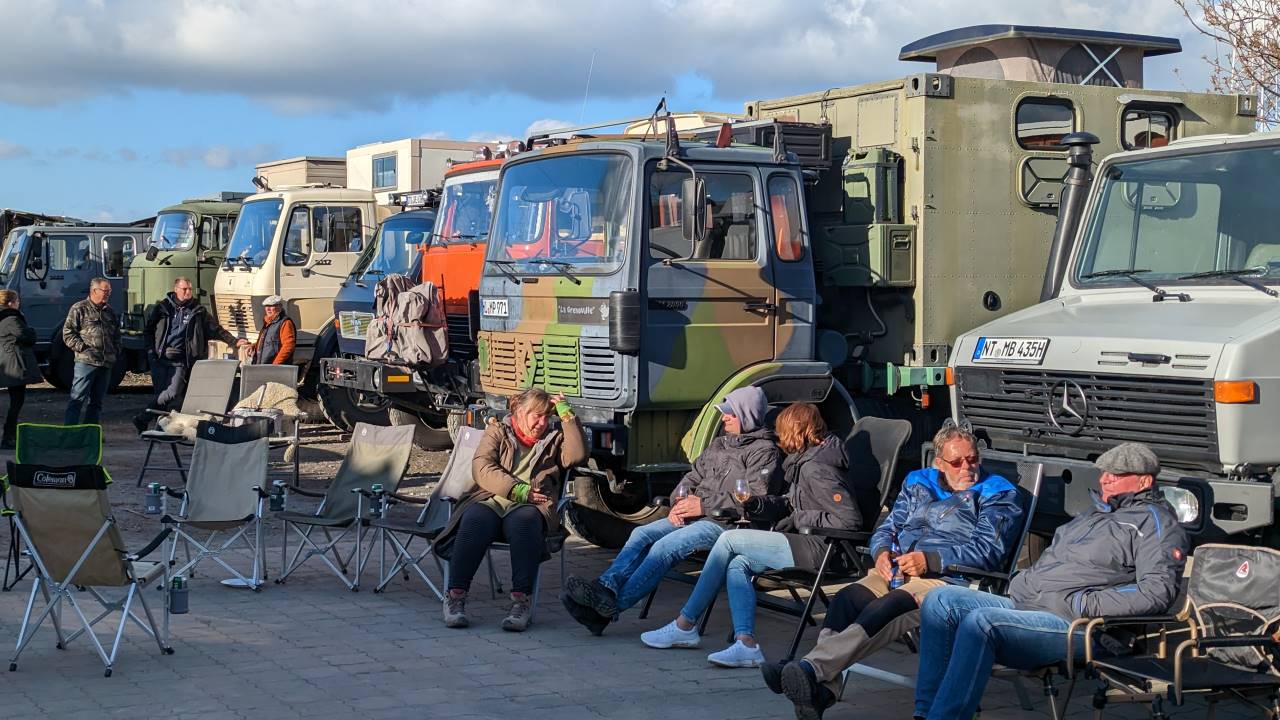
280, 397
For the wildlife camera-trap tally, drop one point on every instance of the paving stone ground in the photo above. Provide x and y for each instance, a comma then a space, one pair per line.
311, 649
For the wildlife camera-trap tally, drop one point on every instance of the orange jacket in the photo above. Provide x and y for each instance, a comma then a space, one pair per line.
288, 339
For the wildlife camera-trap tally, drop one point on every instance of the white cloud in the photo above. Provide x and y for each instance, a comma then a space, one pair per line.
332, 55
12, 150
219, 157
547, 125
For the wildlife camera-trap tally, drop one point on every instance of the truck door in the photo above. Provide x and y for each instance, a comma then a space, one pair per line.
116, 252
709, 309
59, 267
795, 293
321, 243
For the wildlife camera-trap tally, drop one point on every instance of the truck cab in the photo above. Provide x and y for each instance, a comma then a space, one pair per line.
299, 243
1164, 329
50, 267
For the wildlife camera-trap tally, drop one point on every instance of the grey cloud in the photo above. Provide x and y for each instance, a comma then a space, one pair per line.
12, 150
219, 157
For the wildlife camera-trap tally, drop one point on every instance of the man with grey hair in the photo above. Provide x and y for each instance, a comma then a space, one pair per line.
92, 332
1122, 557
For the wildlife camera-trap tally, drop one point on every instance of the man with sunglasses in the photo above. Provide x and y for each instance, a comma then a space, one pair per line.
950, 514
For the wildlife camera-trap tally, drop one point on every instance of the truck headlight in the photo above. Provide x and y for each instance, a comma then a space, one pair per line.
1186, 504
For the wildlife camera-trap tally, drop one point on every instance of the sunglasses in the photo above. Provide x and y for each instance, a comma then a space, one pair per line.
961, 462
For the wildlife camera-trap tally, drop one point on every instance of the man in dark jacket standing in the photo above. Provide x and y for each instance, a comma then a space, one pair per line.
178, 331
746, 450
92, 332
1122, 557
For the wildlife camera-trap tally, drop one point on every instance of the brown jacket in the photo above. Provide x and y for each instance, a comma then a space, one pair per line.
558, 451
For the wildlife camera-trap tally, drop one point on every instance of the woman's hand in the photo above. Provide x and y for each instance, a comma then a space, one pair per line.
537, 498
557, 398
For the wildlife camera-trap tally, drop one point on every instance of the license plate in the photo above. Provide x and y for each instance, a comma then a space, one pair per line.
1015, 351
354, 325
495, 307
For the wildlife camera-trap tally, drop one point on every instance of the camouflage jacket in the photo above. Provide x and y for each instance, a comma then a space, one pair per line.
92, 333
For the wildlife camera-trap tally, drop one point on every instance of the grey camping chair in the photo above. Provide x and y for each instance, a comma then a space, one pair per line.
208, 394
253, 377
64, 517
224, 495
376, 456
287, 433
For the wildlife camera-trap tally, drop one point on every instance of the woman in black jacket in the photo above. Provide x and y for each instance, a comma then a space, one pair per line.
816, 473
18, 365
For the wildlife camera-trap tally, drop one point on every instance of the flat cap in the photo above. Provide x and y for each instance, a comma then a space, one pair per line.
1129, 459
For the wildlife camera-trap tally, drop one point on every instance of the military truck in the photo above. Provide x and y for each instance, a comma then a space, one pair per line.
299, 243
434, 398
50, 267
395, 249
828, 249
189, 239
1160, 325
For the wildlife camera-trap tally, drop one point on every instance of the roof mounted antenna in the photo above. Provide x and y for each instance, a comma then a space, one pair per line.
653, 118
673, 139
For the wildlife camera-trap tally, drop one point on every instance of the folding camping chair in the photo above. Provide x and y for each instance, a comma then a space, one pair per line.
209, 394
64, 517
253, 378
1232, 625
377, 456
225, 494
51, 445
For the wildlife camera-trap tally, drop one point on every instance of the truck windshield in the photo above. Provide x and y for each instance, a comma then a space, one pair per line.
563, 212
465, 210
174, 231
255, 229
393, 251
12, 254
1210, 214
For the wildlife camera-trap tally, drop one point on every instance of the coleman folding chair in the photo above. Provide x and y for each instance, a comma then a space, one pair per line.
376, 456
51, 445
224, 495
1227, 643
208, 394
64, 517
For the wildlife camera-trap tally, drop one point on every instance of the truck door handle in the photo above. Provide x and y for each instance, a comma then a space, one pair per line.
760, 306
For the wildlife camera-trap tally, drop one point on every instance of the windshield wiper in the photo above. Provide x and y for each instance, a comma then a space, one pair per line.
501, 265
562, 267
1133, 275
1240, 276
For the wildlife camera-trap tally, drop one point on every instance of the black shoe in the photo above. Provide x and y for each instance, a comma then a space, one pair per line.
587, 617
804, 691
772, 672
142, 421
592, 594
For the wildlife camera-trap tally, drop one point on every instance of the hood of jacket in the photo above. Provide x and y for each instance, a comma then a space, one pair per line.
175, 303
8, 312
829, 452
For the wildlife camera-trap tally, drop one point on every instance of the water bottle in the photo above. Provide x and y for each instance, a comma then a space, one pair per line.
375, 503
151, 500
276, 498
178, 598
895, 580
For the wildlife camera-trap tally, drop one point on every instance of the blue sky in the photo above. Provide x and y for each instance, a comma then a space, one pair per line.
112, 109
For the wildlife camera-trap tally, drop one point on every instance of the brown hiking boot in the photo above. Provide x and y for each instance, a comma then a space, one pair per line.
455, 610
519, 618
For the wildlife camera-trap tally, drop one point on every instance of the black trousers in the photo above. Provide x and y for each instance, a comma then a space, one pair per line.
169, 379
523, 529
857, 604
17, 396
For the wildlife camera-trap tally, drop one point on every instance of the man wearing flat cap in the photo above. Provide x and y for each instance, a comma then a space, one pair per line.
1122, 557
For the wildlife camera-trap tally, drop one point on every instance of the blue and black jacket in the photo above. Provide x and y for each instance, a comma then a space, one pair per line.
977, 527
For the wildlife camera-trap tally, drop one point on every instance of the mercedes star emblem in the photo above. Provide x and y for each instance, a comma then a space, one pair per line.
1068, 407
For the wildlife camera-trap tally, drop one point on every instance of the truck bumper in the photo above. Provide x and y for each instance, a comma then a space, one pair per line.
367, 376
1225, 507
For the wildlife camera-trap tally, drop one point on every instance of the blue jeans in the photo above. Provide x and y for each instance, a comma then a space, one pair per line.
979, 629
88, 386
737, 557
650, 552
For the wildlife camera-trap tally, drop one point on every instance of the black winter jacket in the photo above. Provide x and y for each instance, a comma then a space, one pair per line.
752, 455
1119, 558
201, 328
18, 364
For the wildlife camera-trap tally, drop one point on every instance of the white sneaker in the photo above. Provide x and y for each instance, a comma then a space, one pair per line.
737, 655
669, 636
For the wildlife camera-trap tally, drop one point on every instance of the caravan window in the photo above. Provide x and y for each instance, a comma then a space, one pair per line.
384, 172
1147, 127
1041, 123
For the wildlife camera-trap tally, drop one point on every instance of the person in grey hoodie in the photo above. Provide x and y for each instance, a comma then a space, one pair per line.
1122, 557
745, 451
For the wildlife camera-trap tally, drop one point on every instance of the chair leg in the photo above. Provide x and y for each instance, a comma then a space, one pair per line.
146, 462
177, 459
706, 618
644, 611
806, 616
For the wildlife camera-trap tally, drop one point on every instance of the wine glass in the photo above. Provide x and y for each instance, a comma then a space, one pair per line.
681, 492
742, 493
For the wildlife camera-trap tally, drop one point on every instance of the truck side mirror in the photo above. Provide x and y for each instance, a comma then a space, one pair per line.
693, 211
37, 265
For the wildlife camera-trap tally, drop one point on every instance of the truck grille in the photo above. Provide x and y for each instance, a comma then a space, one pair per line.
460, 343
354, 325
235, 313
1175, 416
579, 367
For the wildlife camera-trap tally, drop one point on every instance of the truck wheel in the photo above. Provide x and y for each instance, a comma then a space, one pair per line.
454, 423
345, 407
60, 370
424, 435
604, 518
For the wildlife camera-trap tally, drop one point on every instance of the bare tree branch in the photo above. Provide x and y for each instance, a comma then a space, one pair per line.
1247, 56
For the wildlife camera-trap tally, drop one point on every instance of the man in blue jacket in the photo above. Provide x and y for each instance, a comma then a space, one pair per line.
951, 514
1122, 557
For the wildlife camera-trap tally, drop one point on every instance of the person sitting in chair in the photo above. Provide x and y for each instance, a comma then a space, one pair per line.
518, 469
953, 513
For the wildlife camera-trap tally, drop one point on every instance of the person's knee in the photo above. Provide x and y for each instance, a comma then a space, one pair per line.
739, 565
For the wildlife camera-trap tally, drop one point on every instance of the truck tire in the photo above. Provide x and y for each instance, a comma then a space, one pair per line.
344, 407
604, 518
60, 370
424, 435
454, 423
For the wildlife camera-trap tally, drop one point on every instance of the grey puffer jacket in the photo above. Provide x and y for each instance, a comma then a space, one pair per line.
18, 364
1120, 558
754, 455
92, 333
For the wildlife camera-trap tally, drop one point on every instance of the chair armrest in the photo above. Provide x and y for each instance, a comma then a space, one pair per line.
150, 547
835, 533
726, 514
304, 493
1099, 623
175, 494
973, 572
157, 413
1236, 641
397, 497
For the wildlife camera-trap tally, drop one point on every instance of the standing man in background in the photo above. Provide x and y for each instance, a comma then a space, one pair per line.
92, 332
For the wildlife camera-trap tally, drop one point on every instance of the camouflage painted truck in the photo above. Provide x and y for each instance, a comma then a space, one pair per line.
190, 240
431, 398
828, 249
1160, 324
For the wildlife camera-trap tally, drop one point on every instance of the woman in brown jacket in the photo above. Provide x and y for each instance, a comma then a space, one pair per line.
518, 469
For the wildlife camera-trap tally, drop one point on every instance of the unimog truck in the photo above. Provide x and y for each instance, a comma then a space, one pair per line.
829, 248
1161, 324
